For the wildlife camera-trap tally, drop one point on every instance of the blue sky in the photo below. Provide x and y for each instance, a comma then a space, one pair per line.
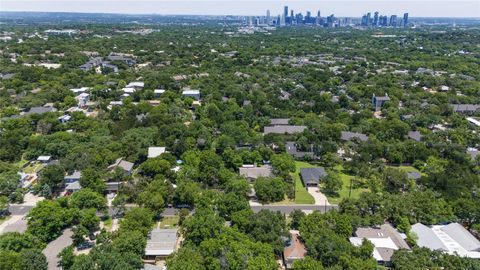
416, 8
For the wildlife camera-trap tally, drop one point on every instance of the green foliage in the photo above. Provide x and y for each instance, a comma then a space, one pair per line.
422, 258
52, 176
86, 199
269, 189
137, 219
47, 220
283, 164
92, 179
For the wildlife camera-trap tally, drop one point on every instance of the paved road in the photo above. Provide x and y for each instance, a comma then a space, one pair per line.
287, 209
19, 210
55, 247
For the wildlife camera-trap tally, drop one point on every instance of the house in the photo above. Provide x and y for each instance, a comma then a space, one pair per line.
44, 159
348, 136
311, 176
122, 164
81, 90
161, 243
291, 149
294, 250
473, 121
279, 121
113, 186
473, 153
378, 102
252, 172
195, 94
40, 110
414, 175
465, 108
129, 90
452, 239
64, 118
82, 99
154, 152
73, 187
158, 92
415, 135
385, 239
136, 85
74, 177
283, 129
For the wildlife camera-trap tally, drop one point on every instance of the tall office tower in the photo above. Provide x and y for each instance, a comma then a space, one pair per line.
369, 18
318, 18
291, 17
385, 20
405, 19
308, 17
278, 20
282, 20
364, 20
268, 17
375, 19
393, 20
250, 21
285, 12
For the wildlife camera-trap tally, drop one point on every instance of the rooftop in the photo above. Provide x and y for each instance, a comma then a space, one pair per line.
312, 175
279, 121
385, 239
161, 242
348, 136
452, 238
255, 172
154, 152
284, 129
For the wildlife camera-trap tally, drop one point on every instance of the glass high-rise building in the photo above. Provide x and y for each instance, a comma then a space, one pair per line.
405, 19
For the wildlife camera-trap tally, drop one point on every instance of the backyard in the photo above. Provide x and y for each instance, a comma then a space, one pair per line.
303, 197
301, 194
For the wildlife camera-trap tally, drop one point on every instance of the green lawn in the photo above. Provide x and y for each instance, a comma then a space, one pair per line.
108, 223
407, 169
33, 168
345, 191
303, 197
169, 222
301, 194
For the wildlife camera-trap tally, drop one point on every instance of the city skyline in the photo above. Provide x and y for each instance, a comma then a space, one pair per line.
340, 8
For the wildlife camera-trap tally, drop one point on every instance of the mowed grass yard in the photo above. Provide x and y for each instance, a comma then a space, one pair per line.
345, 191
303, 197
301, 194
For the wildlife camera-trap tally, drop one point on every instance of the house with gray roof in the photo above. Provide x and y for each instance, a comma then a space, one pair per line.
348, 136
161, 243
122, 164
74, 177
283, 129
40, 110
465, 108
252, 172
279, 121
378, 102
453, 239
311, 176
415, 135
291, 149
385, 239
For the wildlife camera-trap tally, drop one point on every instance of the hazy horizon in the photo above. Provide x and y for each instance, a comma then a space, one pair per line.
341, 8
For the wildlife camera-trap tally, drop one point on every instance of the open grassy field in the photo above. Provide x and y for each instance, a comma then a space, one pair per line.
345, 191
169, 222
33, 168
301, 194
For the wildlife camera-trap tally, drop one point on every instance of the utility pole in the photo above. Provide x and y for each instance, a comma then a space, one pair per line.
350, 191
